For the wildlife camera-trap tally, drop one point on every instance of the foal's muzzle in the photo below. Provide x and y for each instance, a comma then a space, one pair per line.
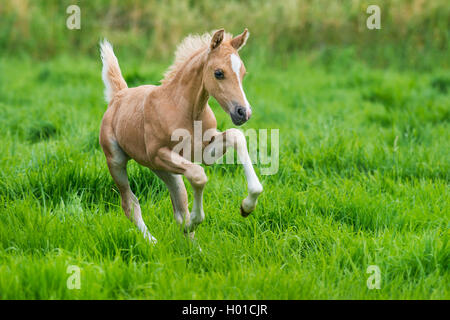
240, 115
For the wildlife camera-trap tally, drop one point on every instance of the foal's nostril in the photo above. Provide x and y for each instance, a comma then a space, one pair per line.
239, 115
241, 111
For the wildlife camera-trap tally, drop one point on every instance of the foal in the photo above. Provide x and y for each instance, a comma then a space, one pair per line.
139, 122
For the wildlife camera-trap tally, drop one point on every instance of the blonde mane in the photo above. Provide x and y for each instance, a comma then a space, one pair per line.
190, 45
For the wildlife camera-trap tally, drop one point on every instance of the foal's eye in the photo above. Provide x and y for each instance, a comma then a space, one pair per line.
219, 74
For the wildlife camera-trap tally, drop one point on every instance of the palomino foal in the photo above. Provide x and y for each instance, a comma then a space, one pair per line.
139, 122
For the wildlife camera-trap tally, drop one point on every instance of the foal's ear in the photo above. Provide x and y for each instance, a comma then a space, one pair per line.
217, 38
239, 41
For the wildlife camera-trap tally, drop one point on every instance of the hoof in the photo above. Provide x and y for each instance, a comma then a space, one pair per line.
244, 213
151, 239
190, 235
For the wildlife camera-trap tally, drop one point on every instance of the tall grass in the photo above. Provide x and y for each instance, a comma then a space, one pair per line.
414, 32
363, 180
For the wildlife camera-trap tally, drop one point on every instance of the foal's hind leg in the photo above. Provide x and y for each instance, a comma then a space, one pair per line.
117, 164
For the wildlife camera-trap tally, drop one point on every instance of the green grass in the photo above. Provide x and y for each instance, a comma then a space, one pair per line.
363, 180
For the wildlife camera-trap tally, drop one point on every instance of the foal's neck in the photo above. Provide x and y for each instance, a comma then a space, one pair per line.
187, 88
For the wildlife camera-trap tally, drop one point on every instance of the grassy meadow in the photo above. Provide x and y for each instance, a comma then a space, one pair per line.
363, 176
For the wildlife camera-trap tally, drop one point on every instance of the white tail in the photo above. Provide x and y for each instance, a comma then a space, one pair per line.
111, 74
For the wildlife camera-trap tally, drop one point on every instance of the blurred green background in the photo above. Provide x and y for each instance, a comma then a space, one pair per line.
414, 33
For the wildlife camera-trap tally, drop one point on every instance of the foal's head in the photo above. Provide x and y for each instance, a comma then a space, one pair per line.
223, 74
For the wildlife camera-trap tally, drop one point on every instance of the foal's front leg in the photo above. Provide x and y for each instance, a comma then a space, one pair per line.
178, 195
236, 139
176, 164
